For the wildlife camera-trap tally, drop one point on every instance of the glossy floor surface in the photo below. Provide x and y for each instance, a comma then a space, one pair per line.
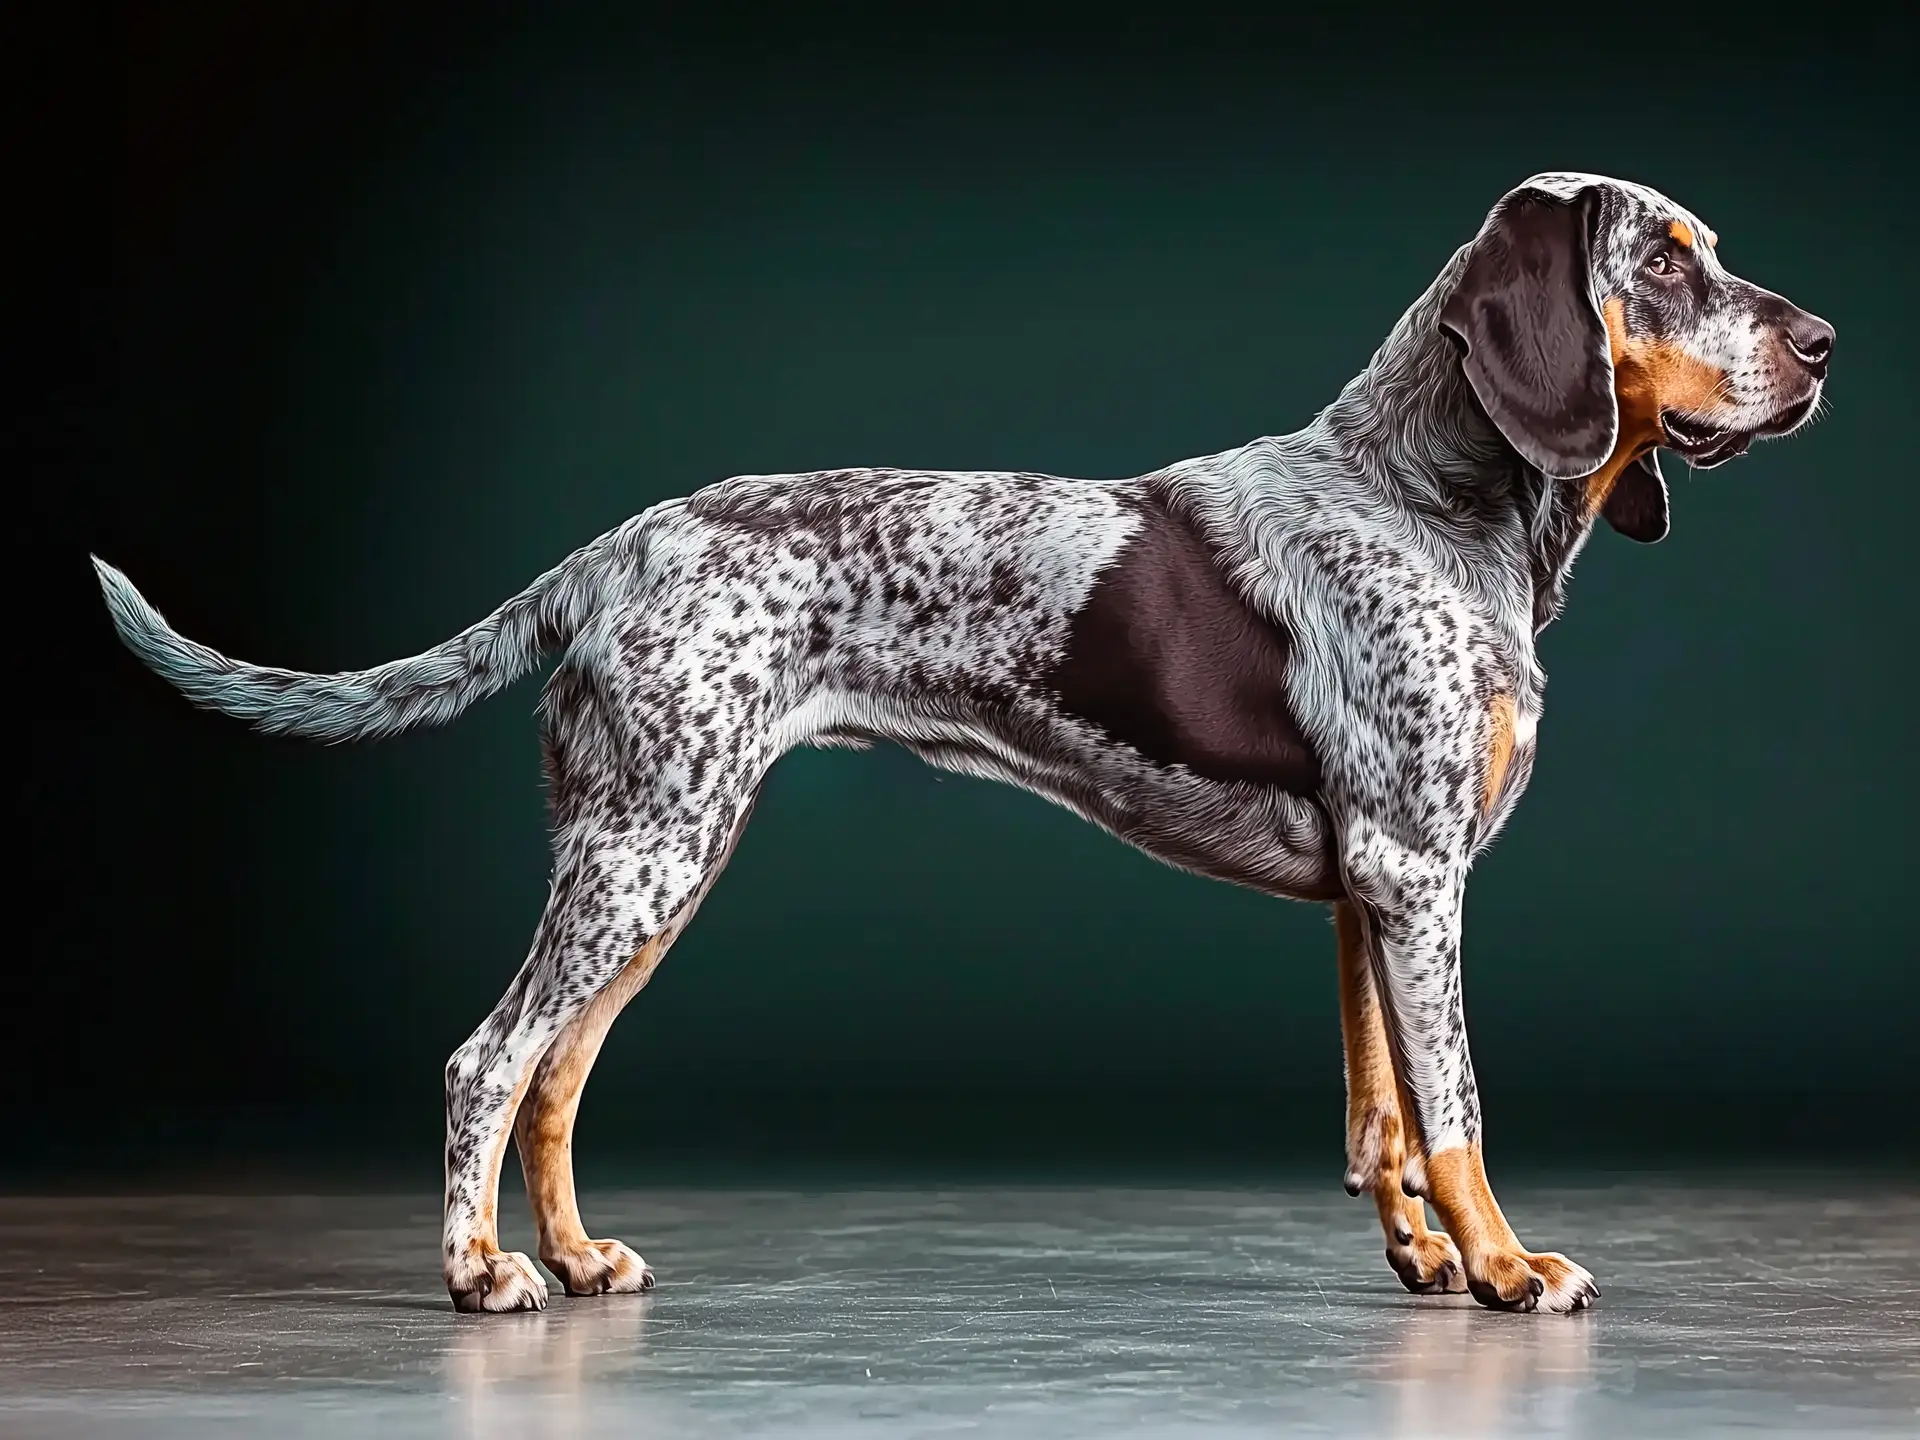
1785, 1307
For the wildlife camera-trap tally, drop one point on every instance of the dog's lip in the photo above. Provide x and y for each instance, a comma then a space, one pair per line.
1790, 416
1704, 444
1701, 443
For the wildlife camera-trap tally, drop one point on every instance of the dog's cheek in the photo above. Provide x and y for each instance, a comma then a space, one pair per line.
1731, 343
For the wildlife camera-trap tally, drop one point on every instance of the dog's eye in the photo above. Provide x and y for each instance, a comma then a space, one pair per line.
1662, 264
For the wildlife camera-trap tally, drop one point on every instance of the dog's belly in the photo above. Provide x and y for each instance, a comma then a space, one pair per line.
1249, 834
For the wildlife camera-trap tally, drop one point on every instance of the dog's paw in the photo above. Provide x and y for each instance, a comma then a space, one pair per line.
495, 1281
1519, 1280
1427, 1263
600, 1267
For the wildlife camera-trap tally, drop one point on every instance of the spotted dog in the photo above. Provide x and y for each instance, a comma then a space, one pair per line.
1305, 665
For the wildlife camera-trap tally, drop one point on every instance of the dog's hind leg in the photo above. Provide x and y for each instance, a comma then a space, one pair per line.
591, 931
543, 1130
605, 929
543, 1134
1377, 1139
636, 849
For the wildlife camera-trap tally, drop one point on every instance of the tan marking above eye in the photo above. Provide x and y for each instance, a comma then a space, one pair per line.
1648, 376
1682, 232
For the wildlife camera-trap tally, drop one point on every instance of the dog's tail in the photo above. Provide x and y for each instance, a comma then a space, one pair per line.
427, 689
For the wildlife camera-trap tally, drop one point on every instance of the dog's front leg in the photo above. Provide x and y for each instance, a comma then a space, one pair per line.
1411, 905
1377, 1138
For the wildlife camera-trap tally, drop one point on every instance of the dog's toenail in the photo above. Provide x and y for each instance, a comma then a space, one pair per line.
1536, 1286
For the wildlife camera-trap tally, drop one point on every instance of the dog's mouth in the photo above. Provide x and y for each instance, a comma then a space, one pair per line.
1704, 445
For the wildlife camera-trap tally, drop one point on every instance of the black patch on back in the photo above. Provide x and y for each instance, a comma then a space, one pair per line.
1167, 657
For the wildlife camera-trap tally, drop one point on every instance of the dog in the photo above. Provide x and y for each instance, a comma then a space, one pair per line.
1305, 665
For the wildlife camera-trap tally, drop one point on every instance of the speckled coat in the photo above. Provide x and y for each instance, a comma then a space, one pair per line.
1304, 665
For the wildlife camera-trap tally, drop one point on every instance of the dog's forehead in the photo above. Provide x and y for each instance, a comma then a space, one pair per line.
1631, 212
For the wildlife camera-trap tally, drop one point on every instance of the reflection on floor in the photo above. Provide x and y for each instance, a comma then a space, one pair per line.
1784, 1306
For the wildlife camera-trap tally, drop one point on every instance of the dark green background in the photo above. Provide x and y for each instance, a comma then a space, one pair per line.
388, 319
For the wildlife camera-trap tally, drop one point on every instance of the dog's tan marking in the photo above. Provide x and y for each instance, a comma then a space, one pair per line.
1499, 750
1649, 376
1682, 232
1457, 1181
1378, 1141
1500, 1270
544, 1130
1713, 241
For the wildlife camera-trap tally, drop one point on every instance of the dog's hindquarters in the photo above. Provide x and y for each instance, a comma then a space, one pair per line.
659, 725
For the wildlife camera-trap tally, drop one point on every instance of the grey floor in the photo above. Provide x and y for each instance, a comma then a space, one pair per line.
1730, 1307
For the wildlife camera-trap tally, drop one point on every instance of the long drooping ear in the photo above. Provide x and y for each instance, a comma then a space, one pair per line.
1536, 347
1637, 504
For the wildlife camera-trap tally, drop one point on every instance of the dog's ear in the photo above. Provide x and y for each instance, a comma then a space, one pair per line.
1637, 504
1536, 348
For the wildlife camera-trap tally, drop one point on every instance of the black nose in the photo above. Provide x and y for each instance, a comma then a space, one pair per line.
1811, 340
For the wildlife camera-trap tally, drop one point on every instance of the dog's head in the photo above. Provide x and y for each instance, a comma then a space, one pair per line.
1598, 324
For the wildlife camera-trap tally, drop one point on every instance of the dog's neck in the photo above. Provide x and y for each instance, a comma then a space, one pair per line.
1409, 423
